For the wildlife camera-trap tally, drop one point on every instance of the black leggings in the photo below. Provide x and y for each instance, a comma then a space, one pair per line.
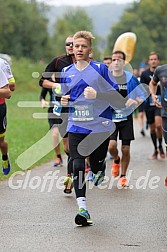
164, 128
97, 158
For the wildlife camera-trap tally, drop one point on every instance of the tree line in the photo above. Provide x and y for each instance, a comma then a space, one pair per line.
148, 20
24, 29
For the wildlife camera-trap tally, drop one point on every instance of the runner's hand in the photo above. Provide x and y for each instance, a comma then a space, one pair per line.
90, 93
65, 100
155, 100
44, 104
131, 102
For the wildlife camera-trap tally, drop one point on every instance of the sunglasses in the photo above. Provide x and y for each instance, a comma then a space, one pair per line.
119, 60
69, 43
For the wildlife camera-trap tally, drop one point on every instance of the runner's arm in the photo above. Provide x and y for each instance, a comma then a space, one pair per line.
48, 79
153, 90
12, 84
113, 97
5, 92
43, 94
49, 84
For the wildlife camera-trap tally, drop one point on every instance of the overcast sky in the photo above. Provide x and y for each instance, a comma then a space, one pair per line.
83, 2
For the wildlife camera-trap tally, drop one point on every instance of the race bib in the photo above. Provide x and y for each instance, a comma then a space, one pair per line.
83, 113
57, 108
118, 116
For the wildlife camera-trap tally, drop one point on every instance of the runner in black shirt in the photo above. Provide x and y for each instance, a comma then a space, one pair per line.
153, 113
160, 76
47, 81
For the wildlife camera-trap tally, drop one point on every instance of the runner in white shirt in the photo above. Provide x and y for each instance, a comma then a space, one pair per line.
4, 87
7, 84
4, 65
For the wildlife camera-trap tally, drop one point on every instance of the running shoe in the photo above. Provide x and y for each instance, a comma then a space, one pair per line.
89, 177
147, 126
98, 178
59, 162
68, 183
155, 155
142, 132
5, 166
115, 170
83, 218
166, 181
161, 152
123, 182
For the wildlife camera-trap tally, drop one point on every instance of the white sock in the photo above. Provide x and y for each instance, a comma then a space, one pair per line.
81, 201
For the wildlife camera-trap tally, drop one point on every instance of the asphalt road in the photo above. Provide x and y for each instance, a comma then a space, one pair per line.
37, 216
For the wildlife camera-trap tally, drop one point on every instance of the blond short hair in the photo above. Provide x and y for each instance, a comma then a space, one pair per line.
84, 34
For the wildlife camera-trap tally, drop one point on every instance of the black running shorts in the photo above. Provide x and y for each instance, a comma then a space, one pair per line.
125, 131
151, 112
3, 121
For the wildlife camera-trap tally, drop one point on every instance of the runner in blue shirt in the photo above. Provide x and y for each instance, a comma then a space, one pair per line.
87, 116
85, 86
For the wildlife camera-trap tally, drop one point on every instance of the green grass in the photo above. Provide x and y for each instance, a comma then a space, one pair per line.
22, 129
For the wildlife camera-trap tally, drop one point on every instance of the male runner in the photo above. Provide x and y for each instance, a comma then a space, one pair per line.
127, 83
160, 76
153, 113
8, 83
49, 81
85, 86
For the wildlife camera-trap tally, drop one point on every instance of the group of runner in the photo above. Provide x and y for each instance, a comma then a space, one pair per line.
98, 105
91, 104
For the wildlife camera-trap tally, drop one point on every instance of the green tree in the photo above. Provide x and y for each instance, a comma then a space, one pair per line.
23, 29
74, 20
147, 19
